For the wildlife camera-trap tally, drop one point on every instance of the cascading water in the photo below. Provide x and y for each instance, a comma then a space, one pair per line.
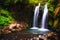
35, 29
36, 13
44, 19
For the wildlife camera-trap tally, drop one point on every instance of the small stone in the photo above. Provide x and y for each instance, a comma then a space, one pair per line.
13, 29
51, 34
6, 31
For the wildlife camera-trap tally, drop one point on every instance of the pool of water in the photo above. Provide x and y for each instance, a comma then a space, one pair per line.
34, 31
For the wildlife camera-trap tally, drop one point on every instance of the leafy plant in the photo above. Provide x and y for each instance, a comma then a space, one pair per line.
5, 18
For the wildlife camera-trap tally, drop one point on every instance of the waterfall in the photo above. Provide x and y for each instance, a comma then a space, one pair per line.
35, 19
44, 16
44, 19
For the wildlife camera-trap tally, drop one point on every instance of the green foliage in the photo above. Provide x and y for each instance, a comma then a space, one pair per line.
5, 18
15, 1
7, 1
50, 23
50, 5
33, 1
43, 2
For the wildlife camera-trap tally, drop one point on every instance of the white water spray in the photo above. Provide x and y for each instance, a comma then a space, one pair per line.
44, 19
36, 13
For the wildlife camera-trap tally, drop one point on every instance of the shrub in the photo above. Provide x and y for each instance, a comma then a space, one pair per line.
5, 18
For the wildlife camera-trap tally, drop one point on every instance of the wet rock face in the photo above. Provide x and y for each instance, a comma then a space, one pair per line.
15, 26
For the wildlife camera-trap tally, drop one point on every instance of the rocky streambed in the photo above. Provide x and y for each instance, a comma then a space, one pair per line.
23, 36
